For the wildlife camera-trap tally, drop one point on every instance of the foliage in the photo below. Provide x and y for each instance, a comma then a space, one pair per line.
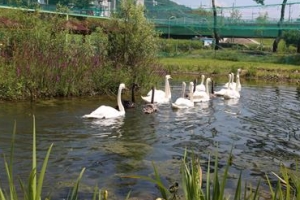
288, 184
33, 191
235, 16
43, 58
171, 47
260, 2
291, 37
262, 18
133, 43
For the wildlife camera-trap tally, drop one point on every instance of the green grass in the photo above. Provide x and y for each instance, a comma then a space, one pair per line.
222, 67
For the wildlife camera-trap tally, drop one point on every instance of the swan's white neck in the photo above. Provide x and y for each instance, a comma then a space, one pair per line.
202, 80
183, 89
191, 89
229, 81
232, 77
167, 88
207, 89
237, 83
119, 101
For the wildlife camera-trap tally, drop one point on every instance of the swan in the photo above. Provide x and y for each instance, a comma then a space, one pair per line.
232, 84
150, 107
202, 96
127, 103
161, 92
233, 93
182, 102
224, 90
201, 86
238, 82
160, 96
107, 112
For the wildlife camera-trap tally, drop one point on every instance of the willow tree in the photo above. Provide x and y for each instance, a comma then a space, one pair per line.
279, 24
133, 41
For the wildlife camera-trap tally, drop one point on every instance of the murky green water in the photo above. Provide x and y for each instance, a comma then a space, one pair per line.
262, 128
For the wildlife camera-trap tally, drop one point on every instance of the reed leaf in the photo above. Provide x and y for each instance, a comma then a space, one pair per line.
238, 189
157, 181
162, 189
128, 195
31, 185
225, 175
256, 194
96, 193
2, 197
216, 184
75, 190
270, 187
9, 167
208, 180
33, 173
42, 174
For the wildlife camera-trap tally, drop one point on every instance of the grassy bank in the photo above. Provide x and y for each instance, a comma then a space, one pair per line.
268, 66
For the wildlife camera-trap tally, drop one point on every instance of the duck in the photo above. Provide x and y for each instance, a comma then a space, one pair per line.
201, 86
182, 102
150, 107
161, 97
108, 112
127, 103
202, 96
233, 93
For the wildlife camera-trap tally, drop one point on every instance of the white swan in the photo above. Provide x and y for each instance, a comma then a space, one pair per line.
201, 86
238, 82
233, 93
224, 90
182, 102
160, 96
232, 84
107, 112
202, 96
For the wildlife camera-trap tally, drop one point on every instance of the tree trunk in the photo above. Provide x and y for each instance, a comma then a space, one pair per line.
277, 40
216, 36
298, 47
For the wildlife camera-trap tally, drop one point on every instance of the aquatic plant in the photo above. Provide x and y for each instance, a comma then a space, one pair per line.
33, 189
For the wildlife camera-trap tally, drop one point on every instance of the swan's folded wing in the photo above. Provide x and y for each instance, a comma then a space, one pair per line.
104, 112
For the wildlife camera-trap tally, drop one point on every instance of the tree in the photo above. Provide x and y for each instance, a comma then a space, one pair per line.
132, 41
260, 2
279, 24
235, 15
215, 32
292, 37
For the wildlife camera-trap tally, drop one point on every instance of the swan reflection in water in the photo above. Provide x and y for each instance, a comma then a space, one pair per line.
107, 127
232, 106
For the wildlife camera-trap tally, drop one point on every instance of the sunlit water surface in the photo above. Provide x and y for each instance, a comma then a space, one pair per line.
261, 128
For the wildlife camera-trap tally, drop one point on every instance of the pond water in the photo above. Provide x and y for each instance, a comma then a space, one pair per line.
262, 128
